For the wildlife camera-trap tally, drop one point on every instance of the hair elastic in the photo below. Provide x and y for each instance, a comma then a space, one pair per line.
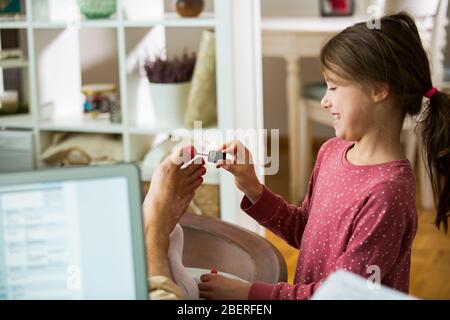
431, 93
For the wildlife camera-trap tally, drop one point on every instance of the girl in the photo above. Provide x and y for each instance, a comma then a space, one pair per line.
359, 214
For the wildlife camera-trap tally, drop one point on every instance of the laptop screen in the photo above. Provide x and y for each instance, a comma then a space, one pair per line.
67, 240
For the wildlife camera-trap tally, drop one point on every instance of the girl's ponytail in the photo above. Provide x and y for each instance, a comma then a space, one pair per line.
435, 129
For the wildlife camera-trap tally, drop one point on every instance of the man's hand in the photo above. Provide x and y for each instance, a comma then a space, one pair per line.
217, 287
171, 190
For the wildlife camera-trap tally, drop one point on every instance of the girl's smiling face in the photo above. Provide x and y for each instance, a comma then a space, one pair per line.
350, 105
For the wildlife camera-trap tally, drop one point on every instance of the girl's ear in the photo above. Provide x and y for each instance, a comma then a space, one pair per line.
380, 92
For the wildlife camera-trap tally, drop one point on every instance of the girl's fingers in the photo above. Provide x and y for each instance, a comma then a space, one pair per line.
228, 144
228, 165
231, 149
231, 161
239, 151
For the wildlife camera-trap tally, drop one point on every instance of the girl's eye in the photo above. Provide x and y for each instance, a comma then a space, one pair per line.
332, 89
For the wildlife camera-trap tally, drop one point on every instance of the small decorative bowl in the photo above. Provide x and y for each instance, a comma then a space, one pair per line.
189, 8
97, 9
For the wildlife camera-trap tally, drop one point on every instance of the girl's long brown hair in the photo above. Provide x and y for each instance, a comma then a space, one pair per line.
394, 55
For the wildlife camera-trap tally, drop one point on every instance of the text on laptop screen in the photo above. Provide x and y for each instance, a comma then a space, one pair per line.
66, 240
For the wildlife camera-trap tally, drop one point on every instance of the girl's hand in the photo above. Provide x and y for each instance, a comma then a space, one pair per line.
217, 287
241, 166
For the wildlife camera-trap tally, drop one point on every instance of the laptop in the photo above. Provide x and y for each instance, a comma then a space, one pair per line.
72, 233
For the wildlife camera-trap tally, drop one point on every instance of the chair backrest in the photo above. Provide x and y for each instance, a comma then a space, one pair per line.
210, 243
432, 21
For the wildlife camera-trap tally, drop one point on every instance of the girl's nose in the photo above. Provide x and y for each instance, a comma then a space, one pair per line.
325, 103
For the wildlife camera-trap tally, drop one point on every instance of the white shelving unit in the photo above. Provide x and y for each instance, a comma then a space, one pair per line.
16, 63
59, 61
63, 53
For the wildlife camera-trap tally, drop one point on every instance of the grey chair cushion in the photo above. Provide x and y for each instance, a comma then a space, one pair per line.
315, 91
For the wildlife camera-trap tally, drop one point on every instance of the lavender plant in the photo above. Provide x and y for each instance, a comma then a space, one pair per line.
176, 70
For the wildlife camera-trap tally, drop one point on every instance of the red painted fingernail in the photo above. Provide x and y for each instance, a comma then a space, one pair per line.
214, 271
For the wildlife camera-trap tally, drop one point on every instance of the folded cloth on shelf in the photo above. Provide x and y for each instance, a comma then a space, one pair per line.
82, 149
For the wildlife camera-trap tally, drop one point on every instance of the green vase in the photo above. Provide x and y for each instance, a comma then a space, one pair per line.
97, 9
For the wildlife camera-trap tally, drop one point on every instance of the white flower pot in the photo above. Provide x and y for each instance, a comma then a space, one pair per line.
169, 102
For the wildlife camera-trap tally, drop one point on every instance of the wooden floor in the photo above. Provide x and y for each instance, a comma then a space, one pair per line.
430, 269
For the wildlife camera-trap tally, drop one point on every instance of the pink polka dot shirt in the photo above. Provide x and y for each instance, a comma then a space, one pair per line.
354, 218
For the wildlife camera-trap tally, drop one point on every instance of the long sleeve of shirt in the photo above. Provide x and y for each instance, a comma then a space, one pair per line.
382, 230
361, 219
286, 220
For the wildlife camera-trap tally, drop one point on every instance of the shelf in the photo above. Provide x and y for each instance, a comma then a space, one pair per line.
174, 20
206, 19
82, 125
20, 121
64, 52
13, 23
141, 130
105, 23
144, 130
49, 25
13, 63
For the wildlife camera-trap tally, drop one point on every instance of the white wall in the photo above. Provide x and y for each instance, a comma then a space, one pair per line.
275, 104
274, 84
296, 8
274, 74
100, 64
184, 39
